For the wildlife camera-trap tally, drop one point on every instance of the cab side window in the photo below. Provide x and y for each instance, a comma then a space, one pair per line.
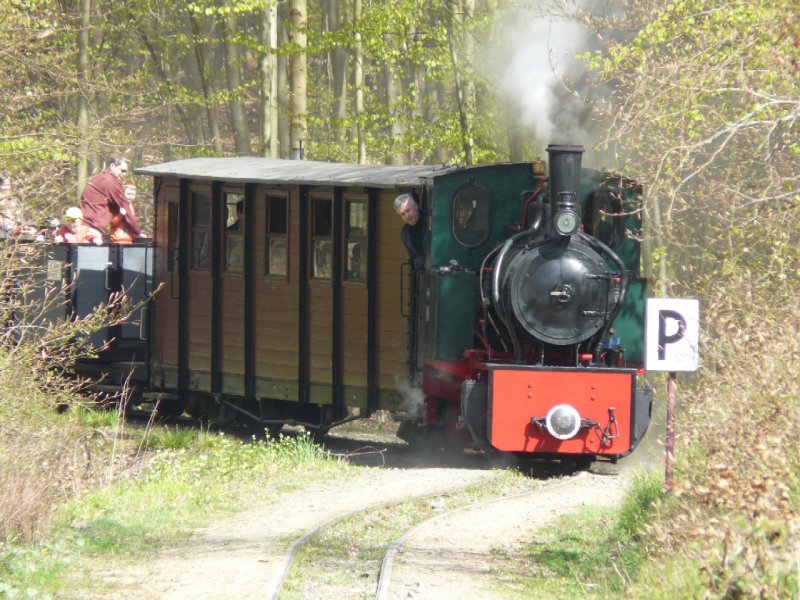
470, 209
602, 218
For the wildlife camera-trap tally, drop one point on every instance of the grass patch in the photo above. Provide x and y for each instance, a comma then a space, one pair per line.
179, 479
593, 552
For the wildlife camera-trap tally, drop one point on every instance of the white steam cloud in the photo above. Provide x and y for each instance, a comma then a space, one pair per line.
539, 75
541, 60
413, 397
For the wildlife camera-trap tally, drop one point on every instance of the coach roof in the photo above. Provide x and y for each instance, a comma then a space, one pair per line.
300, 172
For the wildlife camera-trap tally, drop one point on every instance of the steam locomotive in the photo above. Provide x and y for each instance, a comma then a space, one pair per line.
522, 333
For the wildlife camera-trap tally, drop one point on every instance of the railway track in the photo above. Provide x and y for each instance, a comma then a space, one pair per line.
445, 555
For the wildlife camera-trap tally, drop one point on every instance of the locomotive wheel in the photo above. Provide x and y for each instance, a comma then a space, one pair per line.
428, 438
409, 432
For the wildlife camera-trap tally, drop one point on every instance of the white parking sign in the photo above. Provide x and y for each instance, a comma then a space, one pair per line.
672, 334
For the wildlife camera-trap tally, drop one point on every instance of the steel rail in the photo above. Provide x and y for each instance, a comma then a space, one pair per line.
294, 548
385, 574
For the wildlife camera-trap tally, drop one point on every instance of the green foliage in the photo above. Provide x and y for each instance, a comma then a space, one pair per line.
148, 61
638, 507
592, 552
705, 94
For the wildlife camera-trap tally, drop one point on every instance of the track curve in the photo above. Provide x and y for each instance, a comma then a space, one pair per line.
450, 555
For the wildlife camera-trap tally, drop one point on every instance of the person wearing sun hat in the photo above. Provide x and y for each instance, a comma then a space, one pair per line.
74, 231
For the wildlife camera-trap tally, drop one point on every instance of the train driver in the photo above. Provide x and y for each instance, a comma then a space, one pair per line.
413, 232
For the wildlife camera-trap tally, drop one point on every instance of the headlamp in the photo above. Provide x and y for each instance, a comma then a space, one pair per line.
563, 422
566, 222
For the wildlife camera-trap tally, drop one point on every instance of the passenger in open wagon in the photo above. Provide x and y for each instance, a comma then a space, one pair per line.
104, 197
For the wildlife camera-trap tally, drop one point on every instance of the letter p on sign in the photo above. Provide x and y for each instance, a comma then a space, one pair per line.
672, 334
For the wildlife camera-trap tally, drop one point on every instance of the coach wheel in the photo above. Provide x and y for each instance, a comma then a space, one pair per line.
169, 407
199, 407
274, 430
317, 434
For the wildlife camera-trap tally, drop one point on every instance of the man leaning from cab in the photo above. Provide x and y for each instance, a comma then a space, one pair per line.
413, 232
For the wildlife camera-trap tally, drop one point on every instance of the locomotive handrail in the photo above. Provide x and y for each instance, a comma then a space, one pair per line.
498, 268
403, 277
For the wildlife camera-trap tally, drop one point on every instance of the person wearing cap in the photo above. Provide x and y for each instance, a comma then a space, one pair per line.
104, 197
74, 231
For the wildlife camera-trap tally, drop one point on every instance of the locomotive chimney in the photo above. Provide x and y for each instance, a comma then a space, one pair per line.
565, 171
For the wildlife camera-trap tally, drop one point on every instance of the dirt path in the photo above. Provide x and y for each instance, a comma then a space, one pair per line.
455, 555
244, 556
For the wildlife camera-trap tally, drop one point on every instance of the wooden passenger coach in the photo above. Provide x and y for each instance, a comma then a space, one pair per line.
296, 314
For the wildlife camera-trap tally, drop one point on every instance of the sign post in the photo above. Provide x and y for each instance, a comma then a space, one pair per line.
672, 334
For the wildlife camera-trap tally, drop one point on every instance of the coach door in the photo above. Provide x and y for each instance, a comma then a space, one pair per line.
196, 290
164, 318
275, 299
229, 327
94, 280
320, 302
356, 305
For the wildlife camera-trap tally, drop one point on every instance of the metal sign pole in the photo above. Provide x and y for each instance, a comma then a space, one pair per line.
670, 441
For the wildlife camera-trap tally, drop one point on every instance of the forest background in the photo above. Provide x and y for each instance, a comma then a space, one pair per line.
698, 99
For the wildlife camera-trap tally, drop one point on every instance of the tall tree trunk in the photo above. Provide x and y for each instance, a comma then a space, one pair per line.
83, 100
297, 36
205, 84
285, 145
392, 86
453, 27
241, 131
358, 85
161, 65
269, 83
432, 90
468, 58
339, 60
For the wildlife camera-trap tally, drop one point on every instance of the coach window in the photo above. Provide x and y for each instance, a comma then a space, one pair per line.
321, 236
470, 209
201, 232
234, 232
602, 218
277, 235
356, 241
